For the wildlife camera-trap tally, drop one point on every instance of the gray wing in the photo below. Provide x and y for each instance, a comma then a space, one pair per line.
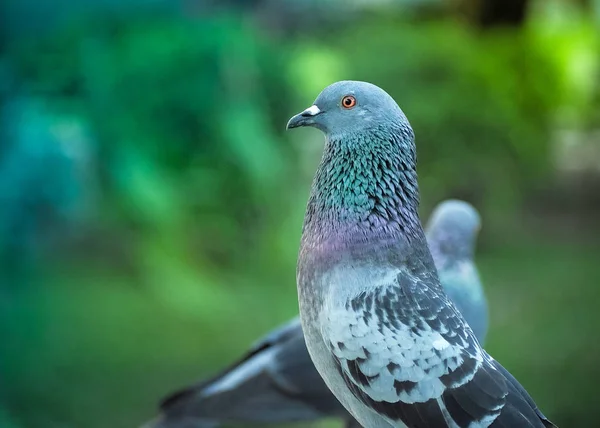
404, 351
275, 381
461, 283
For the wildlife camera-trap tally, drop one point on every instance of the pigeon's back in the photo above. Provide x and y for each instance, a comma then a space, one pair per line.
271, 383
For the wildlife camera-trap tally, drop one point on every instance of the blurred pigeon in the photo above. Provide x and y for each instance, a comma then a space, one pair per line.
378, 326
274, 382
451, 234
277, 382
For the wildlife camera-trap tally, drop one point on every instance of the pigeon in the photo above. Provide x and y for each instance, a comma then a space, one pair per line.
451, 236
276, 381
378, 326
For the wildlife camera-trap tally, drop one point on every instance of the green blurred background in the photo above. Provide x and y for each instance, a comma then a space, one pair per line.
151, 202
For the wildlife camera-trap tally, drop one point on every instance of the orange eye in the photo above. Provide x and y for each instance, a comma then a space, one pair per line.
348, 101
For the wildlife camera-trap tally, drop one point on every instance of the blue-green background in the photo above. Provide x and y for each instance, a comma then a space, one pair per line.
151, 201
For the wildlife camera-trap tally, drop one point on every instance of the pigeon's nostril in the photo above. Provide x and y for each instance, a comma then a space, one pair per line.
311, 111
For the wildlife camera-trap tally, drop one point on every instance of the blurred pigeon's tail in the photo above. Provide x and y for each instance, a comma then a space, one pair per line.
275, 382
547, 423
352, 423
247, 393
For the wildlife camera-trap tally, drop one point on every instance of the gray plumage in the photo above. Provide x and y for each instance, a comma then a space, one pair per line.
278, 371
274, 382
378, 326
451, 235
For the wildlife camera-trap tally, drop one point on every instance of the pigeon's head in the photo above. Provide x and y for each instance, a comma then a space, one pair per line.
453, 227
350, 107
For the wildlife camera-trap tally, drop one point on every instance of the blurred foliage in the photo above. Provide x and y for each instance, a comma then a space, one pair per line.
496, 75
157, 142
185, 114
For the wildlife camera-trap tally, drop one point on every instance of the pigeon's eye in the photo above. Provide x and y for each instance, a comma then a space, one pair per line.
348, 102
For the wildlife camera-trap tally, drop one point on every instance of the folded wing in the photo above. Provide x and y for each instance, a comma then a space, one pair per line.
404, 351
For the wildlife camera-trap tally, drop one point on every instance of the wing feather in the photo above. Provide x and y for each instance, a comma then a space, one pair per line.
405, 351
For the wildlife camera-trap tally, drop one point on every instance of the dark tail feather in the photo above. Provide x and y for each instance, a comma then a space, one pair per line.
352, 423
275, 382
257, 400
517, 388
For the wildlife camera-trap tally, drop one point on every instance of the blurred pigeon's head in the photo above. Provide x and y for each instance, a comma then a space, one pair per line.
348, 108
453, 227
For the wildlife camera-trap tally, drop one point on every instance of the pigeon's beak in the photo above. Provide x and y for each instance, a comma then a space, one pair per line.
306, 118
